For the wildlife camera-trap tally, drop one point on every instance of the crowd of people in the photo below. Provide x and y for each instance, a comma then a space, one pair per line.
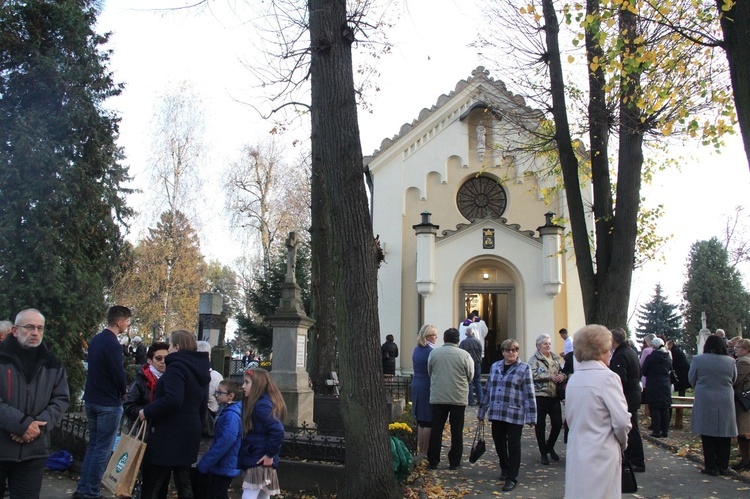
174, 392
599, 376
602, 380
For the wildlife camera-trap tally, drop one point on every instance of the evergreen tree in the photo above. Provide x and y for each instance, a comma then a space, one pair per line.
263, 299
163, 282
60, 181
714, 287
659, 317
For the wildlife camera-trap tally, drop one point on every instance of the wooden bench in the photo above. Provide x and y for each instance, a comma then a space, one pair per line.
679, 404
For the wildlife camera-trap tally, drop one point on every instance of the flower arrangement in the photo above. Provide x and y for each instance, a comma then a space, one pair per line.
398, 426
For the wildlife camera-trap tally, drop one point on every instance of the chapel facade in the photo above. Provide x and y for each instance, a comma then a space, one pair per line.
468, 222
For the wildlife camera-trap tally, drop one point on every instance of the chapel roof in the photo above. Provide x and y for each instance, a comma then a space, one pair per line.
478, 76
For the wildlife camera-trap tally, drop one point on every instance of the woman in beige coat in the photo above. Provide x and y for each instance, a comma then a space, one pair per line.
742, 384
598, 418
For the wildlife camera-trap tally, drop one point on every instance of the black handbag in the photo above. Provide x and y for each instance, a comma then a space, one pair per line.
629, 483
478, 447
744, 399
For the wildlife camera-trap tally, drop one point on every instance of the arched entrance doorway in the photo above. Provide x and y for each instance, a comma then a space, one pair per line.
490, 287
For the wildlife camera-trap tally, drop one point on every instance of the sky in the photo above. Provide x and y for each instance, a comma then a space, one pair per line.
155, 50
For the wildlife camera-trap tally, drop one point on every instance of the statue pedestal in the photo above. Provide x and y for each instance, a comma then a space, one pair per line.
703, 334
289, 367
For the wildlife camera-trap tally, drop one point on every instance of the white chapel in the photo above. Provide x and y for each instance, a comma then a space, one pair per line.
467, 224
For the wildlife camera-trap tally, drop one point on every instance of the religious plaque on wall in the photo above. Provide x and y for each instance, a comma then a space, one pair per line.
488, 238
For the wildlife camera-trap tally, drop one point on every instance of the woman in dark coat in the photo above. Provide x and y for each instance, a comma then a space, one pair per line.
175, 417
389, 352
420, 386
681, 368
656, 369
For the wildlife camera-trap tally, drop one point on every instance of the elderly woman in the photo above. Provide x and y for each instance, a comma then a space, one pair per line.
420, 386
712, 374
598, 418
174, 417
656, 369
547, 373
742, 384
509, 403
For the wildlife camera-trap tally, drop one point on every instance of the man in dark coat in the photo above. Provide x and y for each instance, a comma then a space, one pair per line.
35, 397
624, 363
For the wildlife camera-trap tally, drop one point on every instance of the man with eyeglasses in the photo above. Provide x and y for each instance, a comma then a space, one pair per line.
106, 385
34, 387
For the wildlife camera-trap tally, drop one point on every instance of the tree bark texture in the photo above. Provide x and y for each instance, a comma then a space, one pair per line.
337, 157
323, 357
735, 24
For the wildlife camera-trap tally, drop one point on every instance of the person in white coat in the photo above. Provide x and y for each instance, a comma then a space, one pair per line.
598, 419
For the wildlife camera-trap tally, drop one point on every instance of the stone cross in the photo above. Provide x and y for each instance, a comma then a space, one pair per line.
703, 320
291, 257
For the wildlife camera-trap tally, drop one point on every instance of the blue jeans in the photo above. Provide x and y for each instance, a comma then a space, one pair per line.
476, 384
104, 422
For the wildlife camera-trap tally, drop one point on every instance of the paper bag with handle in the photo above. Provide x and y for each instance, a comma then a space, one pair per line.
123, 466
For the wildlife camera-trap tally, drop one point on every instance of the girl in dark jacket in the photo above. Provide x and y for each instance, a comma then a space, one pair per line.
263, 411
656, 369
175, 417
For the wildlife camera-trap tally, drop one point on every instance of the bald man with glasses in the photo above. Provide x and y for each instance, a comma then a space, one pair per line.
35, 397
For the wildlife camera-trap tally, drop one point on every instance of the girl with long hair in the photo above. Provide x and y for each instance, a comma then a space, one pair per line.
263, 410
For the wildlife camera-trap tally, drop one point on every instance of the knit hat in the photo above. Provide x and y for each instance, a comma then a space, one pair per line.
657, 343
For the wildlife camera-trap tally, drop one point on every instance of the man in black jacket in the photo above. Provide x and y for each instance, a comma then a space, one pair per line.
625, 363
35, 396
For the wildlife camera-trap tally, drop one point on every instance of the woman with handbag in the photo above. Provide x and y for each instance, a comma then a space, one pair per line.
598, 418
547, 373
742, 385
509, 403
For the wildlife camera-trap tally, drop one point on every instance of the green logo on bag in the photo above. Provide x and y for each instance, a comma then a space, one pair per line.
121, 462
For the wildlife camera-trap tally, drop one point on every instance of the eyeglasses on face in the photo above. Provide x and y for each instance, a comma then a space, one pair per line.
31, 327
219, 392
511, 350
158, 358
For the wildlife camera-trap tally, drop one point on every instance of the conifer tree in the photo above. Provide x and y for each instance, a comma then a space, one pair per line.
659, 317
163, 281
714, 287
61, 192
264, 297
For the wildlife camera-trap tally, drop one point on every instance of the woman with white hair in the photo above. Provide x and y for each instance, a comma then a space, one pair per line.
657, 369
547, 373
598, 418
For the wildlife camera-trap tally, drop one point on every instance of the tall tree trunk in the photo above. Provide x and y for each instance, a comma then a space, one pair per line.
337, 157
569, 164
735, 23
323, 333
618, 273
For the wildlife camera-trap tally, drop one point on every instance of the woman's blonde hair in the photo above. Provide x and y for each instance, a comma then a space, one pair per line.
261, 383
424, 332
509, 343
591, 342
743, 343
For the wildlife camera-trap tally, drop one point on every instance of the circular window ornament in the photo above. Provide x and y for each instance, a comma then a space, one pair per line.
481, 197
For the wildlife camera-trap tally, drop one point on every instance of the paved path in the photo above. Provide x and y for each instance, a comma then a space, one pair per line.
667, 475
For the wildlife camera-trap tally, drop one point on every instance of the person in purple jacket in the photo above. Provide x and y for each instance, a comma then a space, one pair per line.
509, 402
263, 410
106, 386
